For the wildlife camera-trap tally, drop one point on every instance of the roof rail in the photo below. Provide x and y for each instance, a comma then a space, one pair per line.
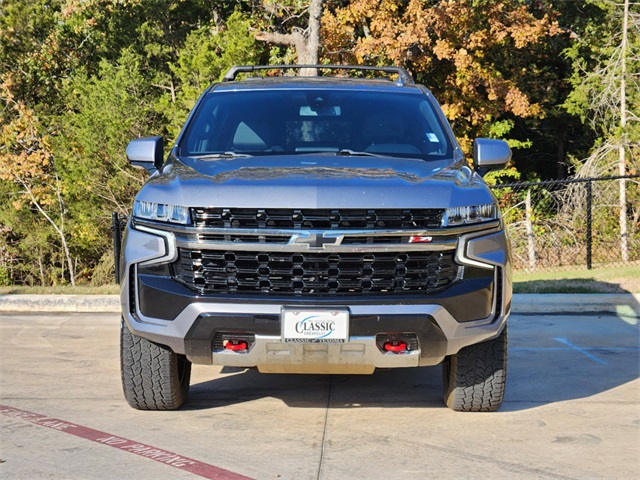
403, 76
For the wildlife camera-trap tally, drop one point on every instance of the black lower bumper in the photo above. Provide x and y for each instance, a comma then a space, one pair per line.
468, 300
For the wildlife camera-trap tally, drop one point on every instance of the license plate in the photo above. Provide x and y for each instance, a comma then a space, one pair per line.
315, 326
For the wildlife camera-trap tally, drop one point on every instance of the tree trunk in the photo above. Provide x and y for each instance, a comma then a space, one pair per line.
624, 241
305, 43
63, 240
312, 44
561, 156
43, 281
531, 246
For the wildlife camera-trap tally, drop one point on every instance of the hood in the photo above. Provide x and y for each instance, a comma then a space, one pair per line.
315, 181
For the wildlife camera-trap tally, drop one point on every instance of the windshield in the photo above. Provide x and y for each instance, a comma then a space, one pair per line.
268, 122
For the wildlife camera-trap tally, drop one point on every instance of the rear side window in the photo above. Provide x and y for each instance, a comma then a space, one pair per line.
312, 121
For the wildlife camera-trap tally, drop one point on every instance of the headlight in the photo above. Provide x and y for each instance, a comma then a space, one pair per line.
161, 212
473, 214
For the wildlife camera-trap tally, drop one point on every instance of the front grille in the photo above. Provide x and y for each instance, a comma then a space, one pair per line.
365, 219
314, 273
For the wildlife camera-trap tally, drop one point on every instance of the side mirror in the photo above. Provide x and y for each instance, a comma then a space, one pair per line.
490, 154
146, 153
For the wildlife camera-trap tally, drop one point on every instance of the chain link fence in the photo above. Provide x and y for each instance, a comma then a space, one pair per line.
569, 224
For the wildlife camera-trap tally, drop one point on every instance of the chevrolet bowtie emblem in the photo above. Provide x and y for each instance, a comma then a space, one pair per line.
315, 240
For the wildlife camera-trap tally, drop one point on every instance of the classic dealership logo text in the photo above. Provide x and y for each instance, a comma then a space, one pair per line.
317, 328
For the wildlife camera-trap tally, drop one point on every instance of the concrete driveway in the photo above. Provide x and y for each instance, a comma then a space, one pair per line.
572, 411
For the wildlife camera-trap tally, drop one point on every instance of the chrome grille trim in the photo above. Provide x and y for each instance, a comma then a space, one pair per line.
315, 274
288, 240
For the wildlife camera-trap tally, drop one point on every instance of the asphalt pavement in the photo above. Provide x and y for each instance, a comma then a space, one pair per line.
572, 411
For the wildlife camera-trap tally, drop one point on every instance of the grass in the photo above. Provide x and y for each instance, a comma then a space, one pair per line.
597, 280
62, 290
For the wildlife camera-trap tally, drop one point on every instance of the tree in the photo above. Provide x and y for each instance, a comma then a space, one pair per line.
305, 41
90, 75
31, 61
474, 55
207, 53
26, 159
80, 78
104, 112
607, 96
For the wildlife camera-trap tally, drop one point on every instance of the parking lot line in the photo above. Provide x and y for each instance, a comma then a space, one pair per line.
581, 350
171, 459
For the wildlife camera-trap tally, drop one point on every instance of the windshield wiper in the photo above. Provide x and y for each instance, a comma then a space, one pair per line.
221, 155
352, 153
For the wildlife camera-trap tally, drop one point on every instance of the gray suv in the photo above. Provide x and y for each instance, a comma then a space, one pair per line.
315, 224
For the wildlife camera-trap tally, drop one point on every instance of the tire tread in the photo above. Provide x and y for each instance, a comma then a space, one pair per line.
475, 378
153, 377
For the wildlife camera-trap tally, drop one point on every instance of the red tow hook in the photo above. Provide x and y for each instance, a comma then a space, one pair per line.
235, 345
396, 347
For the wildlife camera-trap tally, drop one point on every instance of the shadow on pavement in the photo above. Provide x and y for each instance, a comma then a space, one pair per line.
551, 359
419, 387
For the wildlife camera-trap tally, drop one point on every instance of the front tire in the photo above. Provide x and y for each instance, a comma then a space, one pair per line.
474, 379
153, 377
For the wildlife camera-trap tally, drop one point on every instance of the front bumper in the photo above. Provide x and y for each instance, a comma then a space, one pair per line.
468, 312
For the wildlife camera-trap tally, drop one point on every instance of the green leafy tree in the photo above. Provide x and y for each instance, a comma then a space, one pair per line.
27, 162
104, 111
90, 75
208, 52
606, 95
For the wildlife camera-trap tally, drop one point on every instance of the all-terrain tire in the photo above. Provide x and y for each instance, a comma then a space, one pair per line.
474, 379
153, 377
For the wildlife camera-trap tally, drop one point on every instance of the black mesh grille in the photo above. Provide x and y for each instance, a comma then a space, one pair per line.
317, 219
321, 273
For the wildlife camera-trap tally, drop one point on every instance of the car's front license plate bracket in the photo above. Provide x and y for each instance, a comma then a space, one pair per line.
315, 325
